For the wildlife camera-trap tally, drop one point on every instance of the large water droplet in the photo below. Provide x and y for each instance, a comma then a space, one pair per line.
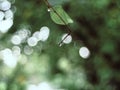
84, 52
67, 38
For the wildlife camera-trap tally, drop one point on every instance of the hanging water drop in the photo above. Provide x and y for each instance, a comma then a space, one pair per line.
67, 38
48, 10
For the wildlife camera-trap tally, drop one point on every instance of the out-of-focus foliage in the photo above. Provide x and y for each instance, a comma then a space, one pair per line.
46, 66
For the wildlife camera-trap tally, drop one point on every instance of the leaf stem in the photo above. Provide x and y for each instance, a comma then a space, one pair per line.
68, 28
47, 3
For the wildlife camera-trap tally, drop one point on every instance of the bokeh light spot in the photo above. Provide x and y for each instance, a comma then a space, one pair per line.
28, 50
32, 41
16, 40
5, 25
44, 33
1, 15
5, 5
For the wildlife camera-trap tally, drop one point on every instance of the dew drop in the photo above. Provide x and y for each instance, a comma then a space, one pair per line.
84, 52
67, 38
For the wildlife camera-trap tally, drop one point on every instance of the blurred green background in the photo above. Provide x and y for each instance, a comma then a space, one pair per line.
96, 26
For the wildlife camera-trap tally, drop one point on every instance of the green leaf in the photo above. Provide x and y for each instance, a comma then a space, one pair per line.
59, 16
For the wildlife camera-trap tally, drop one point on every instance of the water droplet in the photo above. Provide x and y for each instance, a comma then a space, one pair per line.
67, 38
84, 52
